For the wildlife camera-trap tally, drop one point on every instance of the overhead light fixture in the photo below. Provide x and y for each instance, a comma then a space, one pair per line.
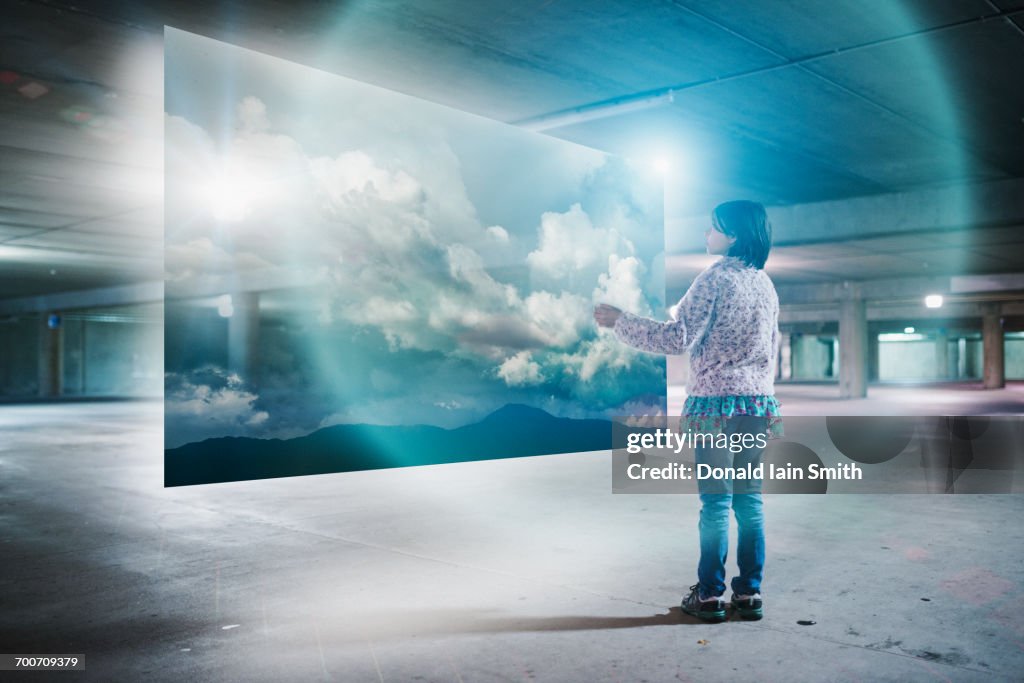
908, 330
598, 110
899, 337
933, 301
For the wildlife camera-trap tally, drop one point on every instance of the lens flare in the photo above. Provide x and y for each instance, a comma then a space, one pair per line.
229, 196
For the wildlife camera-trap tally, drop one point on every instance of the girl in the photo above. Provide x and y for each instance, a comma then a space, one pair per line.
728, 321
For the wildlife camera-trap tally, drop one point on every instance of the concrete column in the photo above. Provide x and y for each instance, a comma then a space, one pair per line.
966, 367
796, 370
993, 374
243, 335
51, 355
953, 368
873, 349
941, 355
853, 348
785, 357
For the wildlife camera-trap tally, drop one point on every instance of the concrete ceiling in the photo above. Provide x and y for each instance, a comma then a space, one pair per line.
809, 106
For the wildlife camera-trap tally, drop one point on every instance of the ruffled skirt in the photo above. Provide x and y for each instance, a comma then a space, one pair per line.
708, 414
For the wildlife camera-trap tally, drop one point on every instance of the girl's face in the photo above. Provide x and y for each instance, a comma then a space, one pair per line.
718, 242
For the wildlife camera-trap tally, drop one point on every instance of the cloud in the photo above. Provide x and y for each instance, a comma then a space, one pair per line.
380, 312
621, 285
519, 371
209, 402
446, 409
648, 406
573, 248
201, 256
498, 233
467, 266
385, 223
558, 319
252, 115
494, 335
342, 179
603, 353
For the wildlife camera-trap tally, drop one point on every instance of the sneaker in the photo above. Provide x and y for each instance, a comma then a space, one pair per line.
710, 609
747, 606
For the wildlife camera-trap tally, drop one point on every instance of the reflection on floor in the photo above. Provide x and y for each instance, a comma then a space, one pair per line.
513, 570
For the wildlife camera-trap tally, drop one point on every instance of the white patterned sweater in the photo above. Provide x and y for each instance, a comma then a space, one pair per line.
728, 320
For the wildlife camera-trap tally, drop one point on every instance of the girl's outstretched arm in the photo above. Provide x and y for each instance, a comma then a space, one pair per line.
673, 337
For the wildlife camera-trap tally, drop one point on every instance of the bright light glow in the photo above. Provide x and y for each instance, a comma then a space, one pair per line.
908, 330
933, 301
229, 195
900, 336
662, 165
224, 307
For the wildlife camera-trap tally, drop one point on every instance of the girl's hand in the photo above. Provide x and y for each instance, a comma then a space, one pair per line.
606, 315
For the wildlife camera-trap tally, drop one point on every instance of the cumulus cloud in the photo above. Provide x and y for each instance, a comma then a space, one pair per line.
559, 320
343, 178
520, 370
466, 266
209, 402
379, 311
571, 246
604, 352
621, 285
498, 233
390, 233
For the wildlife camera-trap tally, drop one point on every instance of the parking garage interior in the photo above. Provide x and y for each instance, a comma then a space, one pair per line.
886, 140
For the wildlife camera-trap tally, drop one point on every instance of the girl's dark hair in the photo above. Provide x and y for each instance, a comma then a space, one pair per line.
748, 222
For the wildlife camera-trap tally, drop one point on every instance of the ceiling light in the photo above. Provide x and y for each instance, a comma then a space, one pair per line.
899, 337
908, 330
933, 301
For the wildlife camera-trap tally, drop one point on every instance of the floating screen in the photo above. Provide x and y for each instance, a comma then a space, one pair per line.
359, 279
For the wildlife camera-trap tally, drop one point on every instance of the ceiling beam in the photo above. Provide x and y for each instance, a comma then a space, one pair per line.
951, 208
877, 312
122, 295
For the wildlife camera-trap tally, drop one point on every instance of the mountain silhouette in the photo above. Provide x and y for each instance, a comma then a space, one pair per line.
512, 431
519, 411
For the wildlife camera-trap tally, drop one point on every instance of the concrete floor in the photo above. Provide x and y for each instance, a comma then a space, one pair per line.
515, 570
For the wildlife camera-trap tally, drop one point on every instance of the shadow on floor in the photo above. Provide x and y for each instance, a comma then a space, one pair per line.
453, 622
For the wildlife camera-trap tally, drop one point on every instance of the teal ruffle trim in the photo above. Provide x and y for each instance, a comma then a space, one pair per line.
706, 414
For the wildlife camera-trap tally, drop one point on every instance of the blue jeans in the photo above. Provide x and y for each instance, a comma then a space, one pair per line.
744, 497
